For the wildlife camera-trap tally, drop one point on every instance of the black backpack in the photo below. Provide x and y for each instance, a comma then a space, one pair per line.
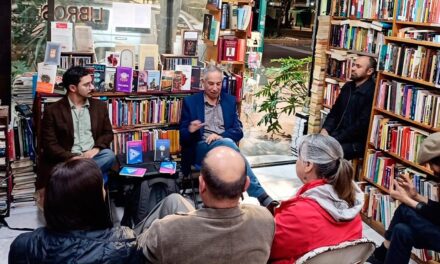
143, 197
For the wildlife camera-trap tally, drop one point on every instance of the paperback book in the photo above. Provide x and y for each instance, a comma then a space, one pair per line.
161, 149
168, 167
123, 79
134, 152
133, 172
153, 80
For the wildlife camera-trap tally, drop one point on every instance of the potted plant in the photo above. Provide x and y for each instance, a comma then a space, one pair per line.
287, 89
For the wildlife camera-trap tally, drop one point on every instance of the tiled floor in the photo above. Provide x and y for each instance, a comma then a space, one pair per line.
279, 181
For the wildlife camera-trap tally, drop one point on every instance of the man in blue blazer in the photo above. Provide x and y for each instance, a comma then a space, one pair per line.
210, 120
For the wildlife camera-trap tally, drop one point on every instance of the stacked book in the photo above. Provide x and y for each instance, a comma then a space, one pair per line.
148, 138
22, 90
23, 182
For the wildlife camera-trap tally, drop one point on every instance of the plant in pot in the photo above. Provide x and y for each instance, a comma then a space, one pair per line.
285, 91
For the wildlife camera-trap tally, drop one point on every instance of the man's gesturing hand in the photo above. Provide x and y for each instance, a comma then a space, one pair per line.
195, 125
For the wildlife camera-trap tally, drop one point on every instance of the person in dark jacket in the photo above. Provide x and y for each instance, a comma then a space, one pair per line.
349, 117
416, 222
78, 225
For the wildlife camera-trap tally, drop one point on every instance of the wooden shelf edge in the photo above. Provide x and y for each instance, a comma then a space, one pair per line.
380, 187
355, 52
417, 24
212, 8
413, 41
416, 123
403, 160
362, 19
421, 82
126, 128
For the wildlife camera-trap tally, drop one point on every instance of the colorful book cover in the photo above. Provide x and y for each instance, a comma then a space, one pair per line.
46, 77
133, 172
112, 59
123, 79
195, 77
207, 18
53, 53
230, 49
168, 167
134, 85
134, 152
98, 76
142, 81
177, 81
161, 149
186, 71
153, 80
166, 82
110, 73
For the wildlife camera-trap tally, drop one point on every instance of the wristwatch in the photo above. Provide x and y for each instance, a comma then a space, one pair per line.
419, 206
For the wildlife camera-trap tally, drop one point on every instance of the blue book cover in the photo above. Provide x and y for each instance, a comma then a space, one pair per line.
168, 167
134, 152
133, 172
161, 149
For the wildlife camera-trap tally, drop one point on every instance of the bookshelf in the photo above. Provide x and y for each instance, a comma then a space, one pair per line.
406, 109
69, 59
227, 25
5, 179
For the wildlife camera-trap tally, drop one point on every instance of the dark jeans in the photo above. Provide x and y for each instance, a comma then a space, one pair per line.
255, 189
409, 229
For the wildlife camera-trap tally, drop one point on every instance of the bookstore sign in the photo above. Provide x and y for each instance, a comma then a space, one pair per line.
74, 13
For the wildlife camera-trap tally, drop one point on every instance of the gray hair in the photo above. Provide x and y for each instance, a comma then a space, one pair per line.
211, 68
327, 156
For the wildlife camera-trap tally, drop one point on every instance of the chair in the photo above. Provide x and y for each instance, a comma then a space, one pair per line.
351, 252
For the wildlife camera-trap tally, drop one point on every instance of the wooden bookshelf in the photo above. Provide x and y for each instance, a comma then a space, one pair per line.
144, 94
417, 81
418, 24
138, 127
360, 53
383, 189
415, 123
414, 42
362, 19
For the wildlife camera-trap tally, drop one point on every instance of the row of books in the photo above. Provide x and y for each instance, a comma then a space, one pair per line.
331, 91
359, 35
235, 17
180, 79
340, 63
378, 206
129, 111
419, 34
410, 101
381, 207
233, 84
424, 11
382, 169
231, 48
170, 61
21, 139
408, 61
67, 61
394, 137
4, 175
375, 9
148, 138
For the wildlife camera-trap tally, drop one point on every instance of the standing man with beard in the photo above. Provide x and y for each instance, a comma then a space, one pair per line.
75, 127
349, 117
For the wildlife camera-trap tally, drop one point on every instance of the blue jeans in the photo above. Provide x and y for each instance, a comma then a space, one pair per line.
105, 159
409, 229
255, 189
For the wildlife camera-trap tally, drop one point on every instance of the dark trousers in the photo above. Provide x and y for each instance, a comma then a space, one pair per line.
353, 150
408, 229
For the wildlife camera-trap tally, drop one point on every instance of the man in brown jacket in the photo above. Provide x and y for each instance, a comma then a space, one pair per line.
75, 127
223, 231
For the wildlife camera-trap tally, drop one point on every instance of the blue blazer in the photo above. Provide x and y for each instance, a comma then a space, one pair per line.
194, 109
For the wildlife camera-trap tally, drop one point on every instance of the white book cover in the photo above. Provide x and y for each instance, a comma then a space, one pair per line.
46, 77
186, 76
62, 32
83, 38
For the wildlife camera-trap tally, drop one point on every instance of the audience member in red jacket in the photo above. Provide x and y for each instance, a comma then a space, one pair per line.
325, 211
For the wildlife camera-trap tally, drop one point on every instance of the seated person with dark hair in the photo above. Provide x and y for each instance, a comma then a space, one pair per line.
75, 127
349, 117
223, 231
78, 225
416, 222
209, 120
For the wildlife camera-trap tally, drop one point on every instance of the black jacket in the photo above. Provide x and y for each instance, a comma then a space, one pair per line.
349, 117
116, 245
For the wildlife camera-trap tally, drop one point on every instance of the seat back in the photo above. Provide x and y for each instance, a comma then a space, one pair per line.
351, 252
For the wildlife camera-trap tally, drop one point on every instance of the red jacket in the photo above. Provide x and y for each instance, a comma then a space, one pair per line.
302, 225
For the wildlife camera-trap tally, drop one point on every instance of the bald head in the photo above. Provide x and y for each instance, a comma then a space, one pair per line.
224, 172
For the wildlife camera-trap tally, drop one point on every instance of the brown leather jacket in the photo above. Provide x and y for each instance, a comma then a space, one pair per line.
56, 137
